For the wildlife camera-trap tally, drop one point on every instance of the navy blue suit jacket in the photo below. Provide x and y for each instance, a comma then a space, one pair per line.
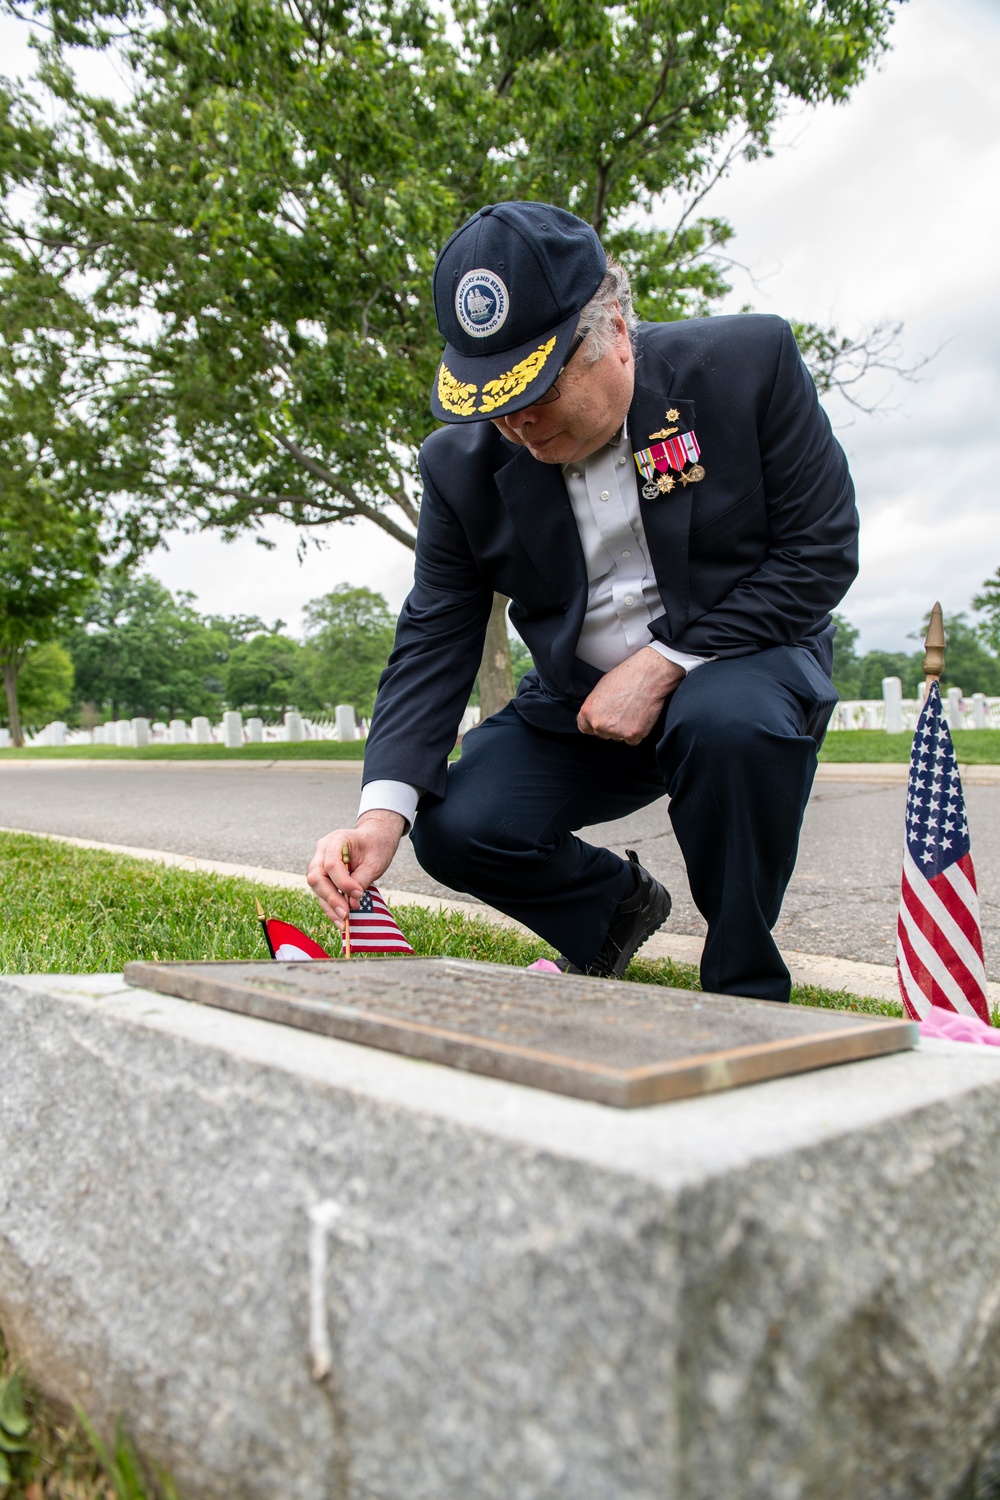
754, 556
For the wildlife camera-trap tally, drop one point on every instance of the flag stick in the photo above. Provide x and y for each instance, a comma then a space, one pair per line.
345, 855
263, 922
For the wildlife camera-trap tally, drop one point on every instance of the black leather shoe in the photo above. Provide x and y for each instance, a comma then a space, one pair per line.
635, 919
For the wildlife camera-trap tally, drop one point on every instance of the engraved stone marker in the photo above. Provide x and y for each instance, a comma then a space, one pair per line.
621, 1044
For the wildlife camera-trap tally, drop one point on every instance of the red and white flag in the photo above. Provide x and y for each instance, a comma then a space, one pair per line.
374, 928
939, 944
287, 942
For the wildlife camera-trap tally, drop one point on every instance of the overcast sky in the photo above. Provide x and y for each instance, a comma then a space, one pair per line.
886, 207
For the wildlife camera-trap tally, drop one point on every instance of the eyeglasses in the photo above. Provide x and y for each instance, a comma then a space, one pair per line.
552, 394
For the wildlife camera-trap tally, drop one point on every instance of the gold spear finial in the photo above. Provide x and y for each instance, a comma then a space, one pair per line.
934, 649
260, 910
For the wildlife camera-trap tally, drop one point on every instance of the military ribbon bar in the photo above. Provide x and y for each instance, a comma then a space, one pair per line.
645, 463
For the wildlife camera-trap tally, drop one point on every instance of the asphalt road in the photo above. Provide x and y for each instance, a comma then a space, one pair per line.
842, 899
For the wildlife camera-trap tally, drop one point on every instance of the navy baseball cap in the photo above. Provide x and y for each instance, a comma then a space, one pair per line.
508, 289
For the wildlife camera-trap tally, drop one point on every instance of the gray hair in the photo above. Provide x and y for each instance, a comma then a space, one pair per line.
613, 295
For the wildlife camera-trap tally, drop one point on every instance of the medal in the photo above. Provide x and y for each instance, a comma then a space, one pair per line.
650, 490
665, 483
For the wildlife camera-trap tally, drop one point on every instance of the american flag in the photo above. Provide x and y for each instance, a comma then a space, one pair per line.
939, 944
373, 927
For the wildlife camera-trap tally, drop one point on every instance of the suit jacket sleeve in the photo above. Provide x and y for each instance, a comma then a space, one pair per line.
425, 687
812, 551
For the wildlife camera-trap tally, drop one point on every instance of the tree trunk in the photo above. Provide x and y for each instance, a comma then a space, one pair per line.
496, 675
10, 671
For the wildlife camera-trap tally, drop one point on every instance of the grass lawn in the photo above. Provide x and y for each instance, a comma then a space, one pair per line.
973, 747
84, 911
300, 750
48, 1454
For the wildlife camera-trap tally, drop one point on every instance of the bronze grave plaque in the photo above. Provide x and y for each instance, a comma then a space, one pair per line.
616, 1043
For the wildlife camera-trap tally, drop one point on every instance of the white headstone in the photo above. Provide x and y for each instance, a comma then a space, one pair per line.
123, 732
293, 725
255, 731
110, 733
158, 727
201, 730
232, 730
955, 707
178, 731
892, 694
140, 732
57, 732
980, 711
4, 739
347, 725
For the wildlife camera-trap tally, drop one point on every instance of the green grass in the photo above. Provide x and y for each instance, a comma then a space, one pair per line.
84, 911
300, 750
973, 747
46, 1453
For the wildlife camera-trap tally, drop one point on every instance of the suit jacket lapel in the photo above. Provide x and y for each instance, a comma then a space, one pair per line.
666, 519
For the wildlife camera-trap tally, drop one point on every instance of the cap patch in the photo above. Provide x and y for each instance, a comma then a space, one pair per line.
514, 382
453, 395
481, 303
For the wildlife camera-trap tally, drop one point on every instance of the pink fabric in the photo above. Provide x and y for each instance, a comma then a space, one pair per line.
949, 1026
545, 966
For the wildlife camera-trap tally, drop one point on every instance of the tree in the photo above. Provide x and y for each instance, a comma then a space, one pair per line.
261, 674
49, 560
988, 602
140, 651
967, 662
349, 635
846, 663
259, 223
45, 686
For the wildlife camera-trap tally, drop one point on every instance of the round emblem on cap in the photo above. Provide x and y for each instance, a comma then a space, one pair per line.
481, 303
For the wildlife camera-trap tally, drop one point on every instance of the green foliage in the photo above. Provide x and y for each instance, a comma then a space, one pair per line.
259, 222
349, 634
45, 686
41, 1452
969, 662
140, 651
260, 675
49, 561
988, 602
16, 1458
973, 747
520, 659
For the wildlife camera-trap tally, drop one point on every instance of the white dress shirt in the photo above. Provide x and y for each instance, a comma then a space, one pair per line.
622, 593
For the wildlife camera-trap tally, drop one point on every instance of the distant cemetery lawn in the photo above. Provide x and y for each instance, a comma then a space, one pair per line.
976, 747
973, 747
271, 750
84, 911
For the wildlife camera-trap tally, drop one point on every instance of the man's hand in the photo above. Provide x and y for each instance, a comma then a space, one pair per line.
372, 845
629, 699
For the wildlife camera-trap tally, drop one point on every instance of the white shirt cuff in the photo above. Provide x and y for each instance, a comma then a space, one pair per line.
391, 796
682, 658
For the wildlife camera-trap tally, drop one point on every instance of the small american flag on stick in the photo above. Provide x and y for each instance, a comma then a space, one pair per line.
939, 945
374, 928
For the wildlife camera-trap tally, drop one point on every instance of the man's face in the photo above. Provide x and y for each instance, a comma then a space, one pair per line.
593, 402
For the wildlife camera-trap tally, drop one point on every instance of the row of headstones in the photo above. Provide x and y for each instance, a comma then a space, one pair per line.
136, 732
892, 696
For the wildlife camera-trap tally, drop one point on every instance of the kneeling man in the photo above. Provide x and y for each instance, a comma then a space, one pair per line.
673, 520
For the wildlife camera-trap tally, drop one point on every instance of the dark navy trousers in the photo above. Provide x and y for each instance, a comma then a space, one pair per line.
736, 753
